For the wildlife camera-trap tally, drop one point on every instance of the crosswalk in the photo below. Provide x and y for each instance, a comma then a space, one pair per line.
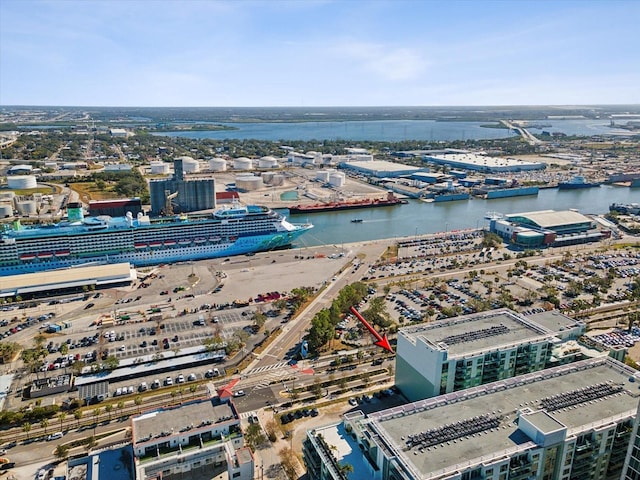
274, 376
269, 367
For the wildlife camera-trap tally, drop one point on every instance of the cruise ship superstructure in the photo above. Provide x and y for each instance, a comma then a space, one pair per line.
231, 230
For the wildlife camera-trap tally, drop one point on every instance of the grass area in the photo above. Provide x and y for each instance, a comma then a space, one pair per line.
89, 191
31, 191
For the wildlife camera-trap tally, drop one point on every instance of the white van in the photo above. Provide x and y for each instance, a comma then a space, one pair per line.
54, 436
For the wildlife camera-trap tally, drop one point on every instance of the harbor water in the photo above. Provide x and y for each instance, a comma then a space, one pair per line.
420, 218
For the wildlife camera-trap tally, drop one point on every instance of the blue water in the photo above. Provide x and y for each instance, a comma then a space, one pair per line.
419, 218
388, 130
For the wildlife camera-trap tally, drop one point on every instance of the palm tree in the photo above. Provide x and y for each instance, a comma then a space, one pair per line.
62, 451
193, 389
61, 417
120, 406
44, 423
138, 402
108, 409
91, 443
77, 415
26, 428
96, 414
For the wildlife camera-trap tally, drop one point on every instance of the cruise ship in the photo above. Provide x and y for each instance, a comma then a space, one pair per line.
141, 241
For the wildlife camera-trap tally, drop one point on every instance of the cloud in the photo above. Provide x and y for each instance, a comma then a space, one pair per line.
387, 63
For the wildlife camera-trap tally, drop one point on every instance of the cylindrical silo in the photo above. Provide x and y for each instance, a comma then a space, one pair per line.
6, 210
160, 168
323, 175
218, 164
248, 183
27, 207
337, 179
242, 163
277, 180
267, 177
190, 165
21, 182
268, 162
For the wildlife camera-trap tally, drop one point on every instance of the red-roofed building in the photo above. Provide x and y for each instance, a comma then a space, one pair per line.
227, 197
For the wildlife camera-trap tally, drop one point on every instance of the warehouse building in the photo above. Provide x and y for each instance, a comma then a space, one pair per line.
460, 159
462, 352
380, 168
570, 422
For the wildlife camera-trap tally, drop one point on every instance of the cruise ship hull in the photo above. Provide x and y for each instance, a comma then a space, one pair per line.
168, 242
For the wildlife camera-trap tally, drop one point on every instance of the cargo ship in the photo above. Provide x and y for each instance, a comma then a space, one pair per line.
390, 201
576, 182
511, 192
227, 231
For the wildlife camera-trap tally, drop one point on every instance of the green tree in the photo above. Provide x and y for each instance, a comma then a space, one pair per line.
108, 408
78, 416
91, 443
111, 362
61, 417
26, 428
62, 451
44, 423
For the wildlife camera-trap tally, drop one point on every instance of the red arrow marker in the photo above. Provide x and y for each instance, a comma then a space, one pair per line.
381, 341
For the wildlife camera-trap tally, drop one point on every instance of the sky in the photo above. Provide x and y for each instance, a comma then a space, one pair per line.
304, 53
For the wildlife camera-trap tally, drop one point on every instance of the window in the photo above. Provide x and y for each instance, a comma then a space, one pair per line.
236, 475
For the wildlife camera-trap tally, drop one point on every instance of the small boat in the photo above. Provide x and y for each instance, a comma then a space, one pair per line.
62, 253
140, 245
27, 256
155, 244
169, 243
45, 254
356, 220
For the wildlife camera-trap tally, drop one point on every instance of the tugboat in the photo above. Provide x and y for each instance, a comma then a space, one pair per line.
356, 220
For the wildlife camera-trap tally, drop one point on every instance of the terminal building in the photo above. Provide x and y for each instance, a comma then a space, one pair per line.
458, 353
570, 422
546, 228
180, 193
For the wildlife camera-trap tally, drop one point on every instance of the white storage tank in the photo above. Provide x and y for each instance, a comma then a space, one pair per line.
218, 164
27, 207
160, 168
267, 177
277, 180
190, 165
337, 179
21, 182
323, 175
268, 162
242, 163
248, 183
6, 210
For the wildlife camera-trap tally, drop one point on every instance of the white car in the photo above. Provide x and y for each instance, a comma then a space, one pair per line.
180, 379
239, 393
